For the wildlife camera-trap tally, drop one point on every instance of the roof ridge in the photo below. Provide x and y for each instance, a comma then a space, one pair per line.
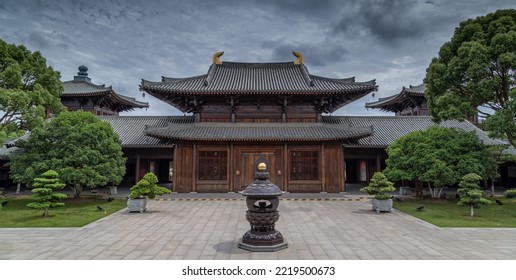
257, 64
377, 117
172, 80
86, 82
347, 80
146, 117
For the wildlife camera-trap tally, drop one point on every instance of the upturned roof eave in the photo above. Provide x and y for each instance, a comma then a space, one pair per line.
175, 132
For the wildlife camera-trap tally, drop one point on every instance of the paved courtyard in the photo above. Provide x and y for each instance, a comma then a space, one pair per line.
186, 229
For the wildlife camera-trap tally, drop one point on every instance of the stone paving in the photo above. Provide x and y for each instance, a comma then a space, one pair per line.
340, 230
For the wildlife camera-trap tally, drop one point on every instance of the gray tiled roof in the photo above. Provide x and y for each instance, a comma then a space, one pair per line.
83, 87
78, 89
130, 129
258, 132
8, 148
242, 78
6, 153
387, 129
408, 97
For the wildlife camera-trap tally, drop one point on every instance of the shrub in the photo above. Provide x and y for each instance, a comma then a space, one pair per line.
379, 186
147, 187
44, 195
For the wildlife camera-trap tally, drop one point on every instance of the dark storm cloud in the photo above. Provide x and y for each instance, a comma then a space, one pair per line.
123, 41
38, 40
314, 54
387, 20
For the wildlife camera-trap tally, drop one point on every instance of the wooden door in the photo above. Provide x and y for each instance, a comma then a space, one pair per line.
183, 169
246, 171
334, 169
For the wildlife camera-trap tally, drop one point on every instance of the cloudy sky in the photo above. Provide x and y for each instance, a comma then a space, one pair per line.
122, 42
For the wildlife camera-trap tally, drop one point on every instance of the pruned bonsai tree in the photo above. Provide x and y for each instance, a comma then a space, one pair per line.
43, 190
380, 186
147, 187
470, 192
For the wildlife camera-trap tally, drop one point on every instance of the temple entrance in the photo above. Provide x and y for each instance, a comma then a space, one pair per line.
244, 174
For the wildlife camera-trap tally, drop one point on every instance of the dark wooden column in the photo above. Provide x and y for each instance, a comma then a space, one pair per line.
137, 177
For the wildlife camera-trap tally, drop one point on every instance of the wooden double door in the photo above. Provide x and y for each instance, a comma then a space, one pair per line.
244, 166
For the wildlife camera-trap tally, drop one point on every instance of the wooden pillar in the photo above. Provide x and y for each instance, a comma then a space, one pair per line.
174, 175
378, 164
137, 168
323, 167
194, 168
232, 168
286, 166
343, 177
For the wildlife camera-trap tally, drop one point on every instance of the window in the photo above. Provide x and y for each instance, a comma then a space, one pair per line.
213, 165
304, 165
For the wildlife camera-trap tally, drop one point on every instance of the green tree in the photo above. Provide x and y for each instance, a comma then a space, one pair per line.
147, 187
501, 156
379, 186
470, 193
475, 73
438, 156
29, 90
83, 149
43, 192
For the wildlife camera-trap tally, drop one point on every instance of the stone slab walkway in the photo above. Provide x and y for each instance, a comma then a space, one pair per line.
210, 229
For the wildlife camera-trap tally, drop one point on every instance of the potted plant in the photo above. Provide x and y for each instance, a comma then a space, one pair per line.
146, 188
380, 187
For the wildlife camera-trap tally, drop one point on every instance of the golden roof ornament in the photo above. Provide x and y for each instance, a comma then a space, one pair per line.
300, 59
216, 58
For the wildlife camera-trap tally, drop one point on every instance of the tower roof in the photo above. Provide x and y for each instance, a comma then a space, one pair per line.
82, 89
248, 78
408, 97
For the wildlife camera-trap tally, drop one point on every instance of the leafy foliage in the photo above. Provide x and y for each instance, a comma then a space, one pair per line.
470, 192
148, 187
475, 72
44, 195
379, 186
29, 89
83, 149
510, 193
439, 156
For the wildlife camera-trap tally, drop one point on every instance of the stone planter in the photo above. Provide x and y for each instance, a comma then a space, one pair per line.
137, 205
384, 205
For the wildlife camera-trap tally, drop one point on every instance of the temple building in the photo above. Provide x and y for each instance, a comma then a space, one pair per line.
241, 111
409, 102
81, 94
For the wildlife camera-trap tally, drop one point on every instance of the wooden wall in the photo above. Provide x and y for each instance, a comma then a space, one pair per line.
251, 108
183, 168
241, 160
333, 163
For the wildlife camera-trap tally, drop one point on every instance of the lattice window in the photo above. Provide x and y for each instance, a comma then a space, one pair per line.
304, 165
213, 165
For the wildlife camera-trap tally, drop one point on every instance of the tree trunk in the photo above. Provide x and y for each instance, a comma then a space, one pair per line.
471, 212
439, 193
18, 188
492, 188
77, 190
419, 188
45, 214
